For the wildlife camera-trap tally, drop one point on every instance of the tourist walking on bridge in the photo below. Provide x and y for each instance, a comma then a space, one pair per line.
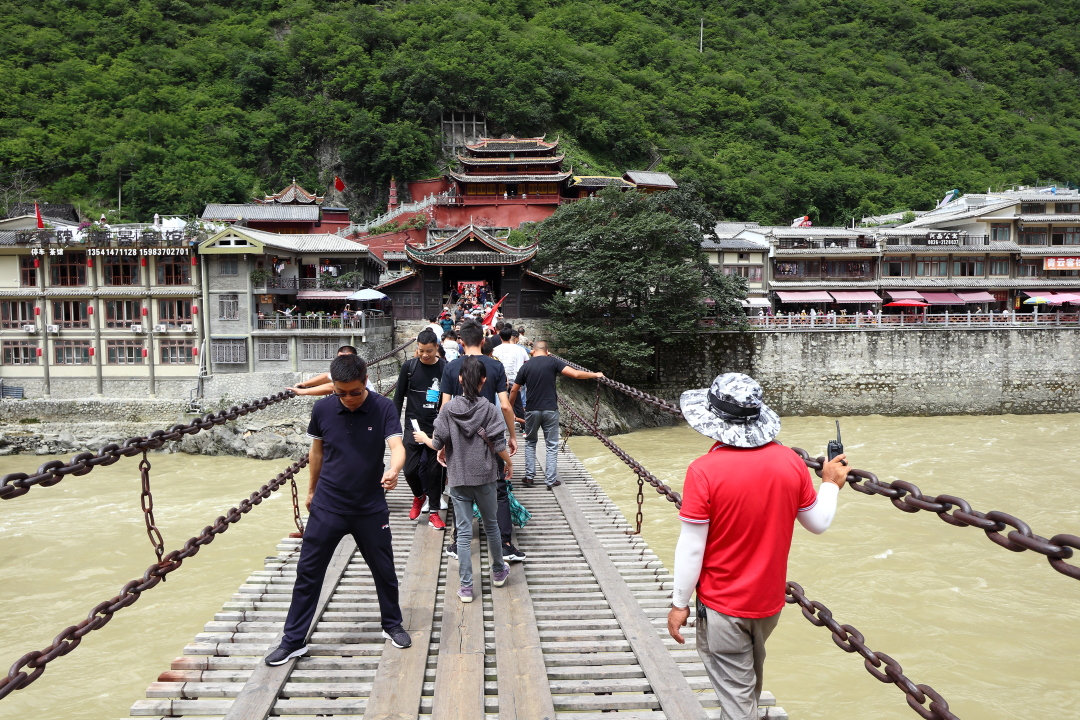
418, 390
323, 384
473, 432
347, 496
538, 378
739, 505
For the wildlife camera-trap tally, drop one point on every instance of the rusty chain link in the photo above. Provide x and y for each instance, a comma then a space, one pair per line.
848, 639
146, 500
907, 497
627, 390
37, 660
296, 511
14, 485
596, 405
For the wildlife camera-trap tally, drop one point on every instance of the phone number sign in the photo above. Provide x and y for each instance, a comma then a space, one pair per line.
1061, 263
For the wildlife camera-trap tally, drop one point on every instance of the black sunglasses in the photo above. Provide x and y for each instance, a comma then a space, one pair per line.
351, 393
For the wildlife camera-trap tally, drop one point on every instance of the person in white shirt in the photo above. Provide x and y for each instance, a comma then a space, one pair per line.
435, 327
512, 356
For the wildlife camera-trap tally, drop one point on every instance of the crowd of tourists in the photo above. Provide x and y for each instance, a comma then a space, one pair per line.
456, 449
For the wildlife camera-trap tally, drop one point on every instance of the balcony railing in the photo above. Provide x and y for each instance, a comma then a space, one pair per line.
295, 283
122, 238
357, 325
827, 243
917, 321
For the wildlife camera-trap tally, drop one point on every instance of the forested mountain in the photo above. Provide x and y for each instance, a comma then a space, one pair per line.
832, 108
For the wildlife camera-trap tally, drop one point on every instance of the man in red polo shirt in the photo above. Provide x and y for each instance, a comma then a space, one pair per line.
740, 503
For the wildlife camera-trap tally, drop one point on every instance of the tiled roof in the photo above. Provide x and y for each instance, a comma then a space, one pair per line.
733, 244
811, 284
471, 258
553, 177
730, 229
322, 243
292, 194
976, 283
934, 219
939, 249
394, 281
104, 292
546, 279
254, 211
651, 179
597, 181
60, 211
1051, 218
7, 237
394, 255
1041, 197
512, 144
810, 232
506, 160
1063, 250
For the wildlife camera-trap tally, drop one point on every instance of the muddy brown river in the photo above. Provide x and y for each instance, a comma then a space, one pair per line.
993, 631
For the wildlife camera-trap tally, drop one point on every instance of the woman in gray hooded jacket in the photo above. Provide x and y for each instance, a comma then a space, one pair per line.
473, 432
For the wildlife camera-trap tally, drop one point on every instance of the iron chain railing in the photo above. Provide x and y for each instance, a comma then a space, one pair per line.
32, 665
14, 485
846, 637
908, 498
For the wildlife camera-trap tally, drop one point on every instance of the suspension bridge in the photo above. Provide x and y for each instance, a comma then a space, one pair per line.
577, 633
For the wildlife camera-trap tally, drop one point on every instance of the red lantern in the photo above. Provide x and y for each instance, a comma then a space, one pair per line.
144, 311
37, 262
192, 261
89, 309
145, 352
194, 352
91, 351
39, 352
90, 261
194, 309
37, 311
142, 260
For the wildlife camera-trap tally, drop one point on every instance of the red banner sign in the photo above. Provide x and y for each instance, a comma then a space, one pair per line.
1061, 263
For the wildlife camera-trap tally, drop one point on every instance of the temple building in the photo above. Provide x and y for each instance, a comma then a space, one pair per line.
583, 186
292, 211
471, 256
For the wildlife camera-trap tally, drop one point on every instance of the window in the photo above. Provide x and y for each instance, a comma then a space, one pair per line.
1033, 236
176, 352
1033, 208
1065, 236
173, 270
121, 270
896, 267
174, 312
275, 349
70, 314
968, 268
229, 307
16, 313
1000, 232
318, 350
801, 268
125, 352
999, 266
27, 271
229, 351
935, 266
228, 266
122, 313
71, 352
68, 270
744, 257
20, 352
480, 189
1029, 268
751, 272
846, 268
1071, 208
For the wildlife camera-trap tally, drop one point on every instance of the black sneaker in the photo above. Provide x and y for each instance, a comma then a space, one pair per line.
282, 655
398, 637
451, 550
512, 554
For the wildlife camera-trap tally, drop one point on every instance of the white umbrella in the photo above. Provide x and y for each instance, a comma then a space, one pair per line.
366, 294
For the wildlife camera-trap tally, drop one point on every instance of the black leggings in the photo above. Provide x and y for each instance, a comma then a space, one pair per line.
424, 474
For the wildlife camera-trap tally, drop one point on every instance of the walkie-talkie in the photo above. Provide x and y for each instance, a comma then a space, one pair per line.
835, 446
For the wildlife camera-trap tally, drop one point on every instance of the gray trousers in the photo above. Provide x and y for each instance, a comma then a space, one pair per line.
733, 651
463, 497
548, 420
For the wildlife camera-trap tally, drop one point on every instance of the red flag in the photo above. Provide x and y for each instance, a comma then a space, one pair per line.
37, 211
339, 185
489, 319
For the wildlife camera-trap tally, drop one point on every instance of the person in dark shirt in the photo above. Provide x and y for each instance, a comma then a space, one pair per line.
494, 390
418, 390
349, 431
538, 378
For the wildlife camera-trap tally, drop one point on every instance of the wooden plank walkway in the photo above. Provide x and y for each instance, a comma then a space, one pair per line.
577, 633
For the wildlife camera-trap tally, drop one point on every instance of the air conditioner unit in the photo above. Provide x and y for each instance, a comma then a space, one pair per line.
161, 328
187, 328
29, 328
136, 328
52, 329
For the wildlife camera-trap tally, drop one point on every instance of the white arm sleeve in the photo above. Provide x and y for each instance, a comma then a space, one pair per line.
689, 553
819, 516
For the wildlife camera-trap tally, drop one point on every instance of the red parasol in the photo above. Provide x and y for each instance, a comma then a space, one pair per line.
908, 303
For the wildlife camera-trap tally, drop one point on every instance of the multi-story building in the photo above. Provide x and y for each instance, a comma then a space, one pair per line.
106, 312
275, 302
740, 256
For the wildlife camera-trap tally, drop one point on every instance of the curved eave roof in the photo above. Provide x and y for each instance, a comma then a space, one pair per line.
505, 160
512, 145
553, 177
469, 257
599, 181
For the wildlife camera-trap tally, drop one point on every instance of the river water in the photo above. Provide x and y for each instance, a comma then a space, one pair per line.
994, 632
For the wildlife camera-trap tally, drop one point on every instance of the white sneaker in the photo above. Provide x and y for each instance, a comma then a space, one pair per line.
427, 504
446, 499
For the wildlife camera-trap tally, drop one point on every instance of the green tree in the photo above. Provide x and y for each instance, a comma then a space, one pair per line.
638, 277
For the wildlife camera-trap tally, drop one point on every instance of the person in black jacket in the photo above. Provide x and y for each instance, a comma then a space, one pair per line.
418, 389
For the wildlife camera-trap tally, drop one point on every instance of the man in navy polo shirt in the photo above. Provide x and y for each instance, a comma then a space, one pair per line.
347, 495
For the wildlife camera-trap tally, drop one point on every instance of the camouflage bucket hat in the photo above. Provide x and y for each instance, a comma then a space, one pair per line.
731, 411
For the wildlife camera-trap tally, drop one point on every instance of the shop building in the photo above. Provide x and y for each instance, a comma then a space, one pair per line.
292, 211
